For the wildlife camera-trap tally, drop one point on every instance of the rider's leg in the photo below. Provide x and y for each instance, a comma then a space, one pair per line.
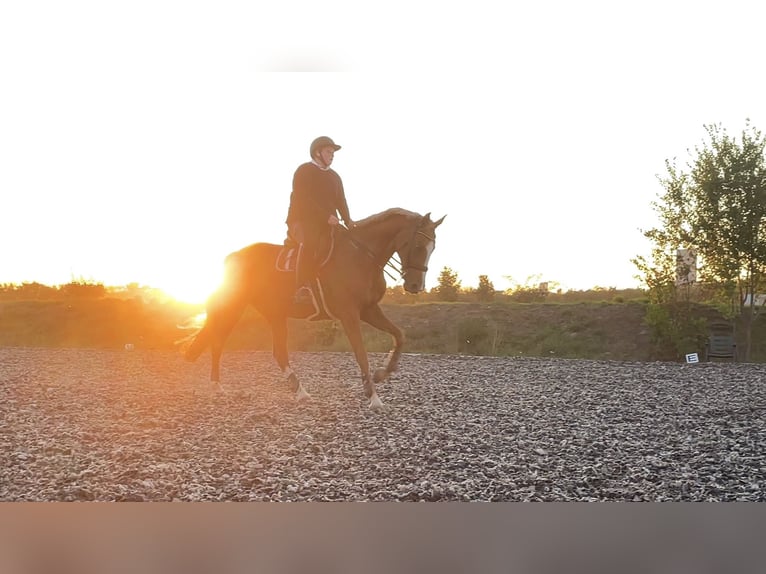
304, 267
305, 270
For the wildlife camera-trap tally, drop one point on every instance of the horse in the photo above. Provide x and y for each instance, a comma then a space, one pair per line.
351, 283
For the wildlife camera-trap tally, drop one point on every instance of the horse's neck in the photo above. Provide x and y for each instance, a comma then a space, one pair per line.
380, 238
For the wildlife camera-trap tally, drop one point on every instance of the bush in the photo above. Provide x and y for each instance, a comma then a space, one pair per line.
675, 330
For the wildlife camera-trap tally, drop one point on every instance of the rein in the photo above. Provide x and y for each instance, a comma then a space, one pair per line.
400, 269
359, 245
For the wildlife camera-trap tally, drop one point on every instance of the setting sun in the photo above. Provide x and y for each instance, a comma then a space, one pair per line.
195, 292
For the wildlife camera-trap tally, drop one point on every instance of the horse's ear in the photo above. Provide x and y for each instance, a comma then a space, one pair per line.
427, 217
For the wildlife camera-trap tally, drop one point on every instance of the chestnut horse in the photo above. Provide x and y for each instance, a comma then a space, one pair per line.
351, 281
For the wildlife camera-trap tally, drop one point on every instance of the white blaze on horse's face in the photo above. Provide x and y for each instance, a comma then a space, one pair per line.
418, 253
414, 275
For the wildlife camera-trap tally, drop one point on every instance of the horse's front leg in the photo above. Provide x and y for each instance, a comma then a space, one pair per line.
279, 350
353, 329
373, 315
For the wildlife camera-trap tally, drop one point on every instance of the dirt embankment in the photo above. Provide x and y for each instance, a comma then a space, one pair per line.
587, 330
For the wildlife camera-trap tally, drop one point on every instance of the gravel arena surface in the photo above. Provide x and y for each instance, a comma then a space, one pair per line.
96, 425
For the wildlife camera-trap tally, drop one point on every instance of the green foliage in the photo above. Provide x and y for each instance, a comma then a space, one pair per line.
485, 292
725, 204
572, 324
83, 290
529, 295
717, 207
396, 295
28, 292
675, 330
448, 287
598, 295
85, 322
75, 289
479, 336
533, 290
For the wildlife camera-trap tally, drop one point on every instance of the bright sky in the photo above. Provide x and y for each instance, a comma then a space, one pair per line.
143, 141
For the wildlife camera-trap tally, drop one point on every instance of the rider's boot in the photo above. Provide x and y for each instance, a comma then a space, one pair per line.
303, 275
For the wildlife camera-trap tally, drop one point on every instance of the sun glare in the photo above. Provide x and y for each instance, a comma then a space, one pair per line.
195, 293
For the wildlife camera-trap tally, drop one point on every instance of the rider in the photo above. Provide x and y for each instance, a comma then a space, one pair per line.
315, 202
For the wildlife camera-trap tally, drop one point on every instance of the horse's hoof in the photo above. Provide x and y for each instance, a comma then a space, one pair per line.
375, 404
380, 375
293, 383
302, 396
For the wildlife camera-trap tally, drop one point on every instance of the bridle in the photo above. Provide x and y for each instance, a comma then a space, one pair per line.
422, 268
402, 268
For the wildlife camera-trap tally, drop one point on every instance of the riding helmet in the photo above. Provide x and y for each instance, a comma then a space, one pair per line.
320, 142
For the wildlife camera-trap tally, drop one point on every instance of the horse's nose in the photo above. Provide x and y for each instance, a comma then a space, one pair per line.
412, 287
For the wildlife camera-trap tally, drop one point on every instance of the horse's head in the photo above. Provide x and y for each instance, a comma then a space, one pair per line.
418, 243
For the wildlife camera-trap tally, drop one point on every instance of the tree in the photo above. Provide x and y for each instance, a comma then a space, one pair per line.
35, 291
396, 295
449, 285
82, 289
486, 290
674, 330
717, 208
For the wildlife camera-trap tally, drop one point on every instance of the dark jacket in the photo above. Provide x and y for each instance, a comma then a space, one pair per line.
316, 195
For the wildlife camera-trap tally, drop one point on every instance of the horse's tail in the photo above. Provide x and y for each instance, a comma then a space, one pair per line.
221, 307
192, 346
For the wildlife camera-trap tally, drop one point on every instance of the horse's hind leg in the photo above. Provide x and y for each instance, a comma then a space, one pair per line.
216, 350
279, 350
223, 314
373, 315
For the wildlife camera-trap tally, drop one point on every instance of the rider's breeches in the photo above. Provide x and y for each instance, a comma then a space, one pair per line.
307, 255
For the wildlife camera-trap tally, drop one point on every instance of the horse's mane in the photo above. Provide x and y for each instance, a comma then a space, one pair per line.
384, 215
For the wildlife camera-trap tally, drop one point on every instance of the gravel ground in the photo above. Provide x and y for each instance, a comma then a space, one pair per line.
84, 425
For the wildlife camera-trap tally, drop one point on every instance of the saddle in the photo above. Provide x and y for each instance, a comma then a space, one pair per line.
287, 258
